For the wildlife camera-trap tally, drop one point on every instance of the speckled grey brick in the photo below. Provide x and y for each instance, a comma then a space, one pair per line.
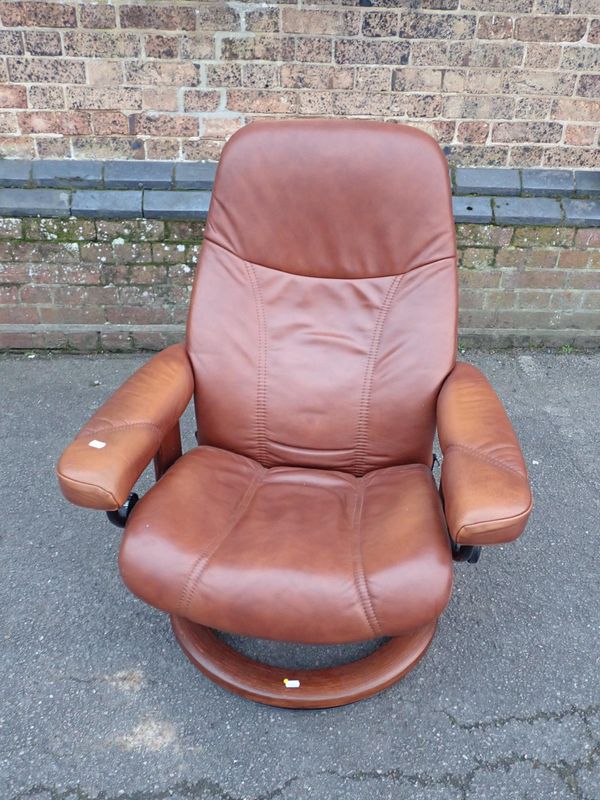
195, 174
472, 209
582, 212
34, 202
548, 182
480, 180
66, 174
176, 205
107, 204
526, 211
14, 172
587, 183
138, 174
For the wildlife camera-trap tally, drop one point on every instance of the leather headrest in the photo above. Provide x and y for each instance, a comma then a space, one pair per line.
333, 198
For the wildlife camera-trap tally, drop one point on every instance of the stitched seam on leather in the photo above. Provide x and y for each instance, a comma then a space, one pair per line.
360, 580
261, 386
327, 278
499, 522
110, 428
75, 481
367, 387
484, 457
190, 585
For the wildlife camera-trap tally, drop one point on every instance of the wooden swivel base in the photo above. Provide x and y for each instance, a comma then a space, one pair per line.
303, 688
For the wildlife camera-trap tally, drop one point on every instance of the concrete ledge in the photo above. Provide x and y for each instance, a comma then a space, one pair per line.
475, 189
107, 204
484, 180
176, 205
472, 209
34, 202
193, 205
133, 338
527, 210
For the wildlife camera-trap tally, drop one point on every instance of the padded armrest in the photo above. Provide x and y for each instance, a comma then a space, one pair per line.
486, 492
100, 467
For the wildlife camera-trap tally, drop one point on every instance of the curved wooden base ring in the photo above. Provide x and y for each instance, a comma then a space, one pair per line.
303, 688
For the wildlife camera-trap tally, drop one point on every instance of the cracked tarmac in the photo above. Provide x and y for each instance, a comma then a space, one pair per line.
97, 702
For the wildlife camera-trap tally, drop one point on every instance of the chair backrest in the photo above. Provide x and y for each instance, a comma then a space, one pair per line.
323, 315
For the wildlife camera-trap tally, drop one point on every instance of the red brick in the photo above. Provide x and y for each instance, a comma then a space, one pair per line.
511, 132
589, 86
8, 122
314, 48
542, 56
573, 259
71, 315
162, 46
109, 123
380, 23
197, 47
533, 279
167, 125
550, 29
260, 76
101, 72
159, 99
580, 135
9, 295
43, 43
67, 124
356, 51
11, 43
97, 98
262, 20
97, 15
116, 341
368, 78
584, 280
158, 73
37, 14
312, 21
46, 97
216, 128
18, 314
200, 100
258, 48
152, 17
587, 237
417, 25
46, 70
472, 132
495, 26
137, 315
13, 97
262, 102
36, 294
216, 16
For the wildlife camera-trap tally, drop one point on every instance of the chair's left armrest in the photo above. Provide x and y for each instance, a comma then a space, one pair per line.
485, 488
100, 467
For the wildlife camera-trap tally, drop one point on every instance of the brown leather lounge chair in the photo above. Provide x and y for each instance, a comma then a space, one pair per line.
320, 354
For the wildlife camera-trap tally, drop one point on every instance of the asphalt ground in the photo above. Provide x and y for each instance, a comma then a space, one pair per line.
97, 702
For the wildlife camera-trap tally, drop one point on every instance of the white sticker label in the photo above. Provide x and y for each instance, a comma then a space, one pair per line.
291, 684
98, 445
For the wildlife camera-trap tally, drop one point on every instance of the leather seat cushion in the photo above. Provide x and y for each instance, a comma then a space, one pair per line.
290, 553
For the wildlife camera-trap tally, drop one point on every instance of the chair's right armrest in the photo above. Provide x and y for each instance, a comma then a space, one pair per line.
100, 467
485, 488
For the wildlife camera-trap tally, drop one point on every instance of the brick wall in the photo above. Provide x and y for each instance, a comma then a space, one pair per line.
86, 285
497, 82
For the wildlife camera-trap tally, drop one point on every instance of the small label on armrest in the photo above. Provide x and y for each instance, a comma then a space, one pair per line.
97, 444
